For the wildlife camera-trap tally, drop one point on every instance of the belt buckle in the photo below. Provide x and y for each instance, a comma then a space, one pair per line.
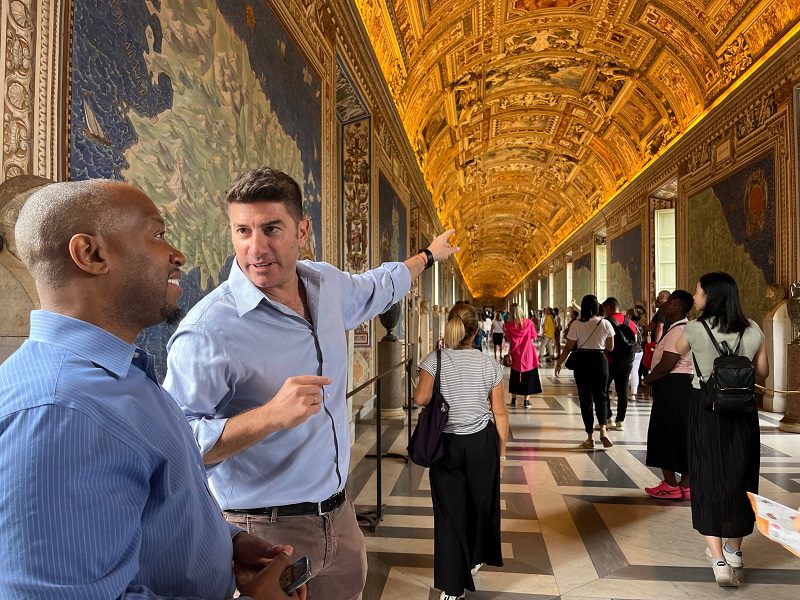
319, 509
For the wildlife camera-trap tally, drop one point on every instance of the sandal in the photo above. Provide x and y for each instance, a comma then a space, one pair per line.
588, 445
607, 443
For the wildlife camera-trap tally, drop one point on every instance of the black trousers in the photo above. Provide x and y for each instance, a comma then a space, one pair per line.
620, 374
465, 487
591, 379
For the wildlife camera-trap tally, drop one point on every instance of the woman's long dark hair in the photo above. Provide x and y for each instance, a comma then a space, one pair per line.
590, 307
723, 307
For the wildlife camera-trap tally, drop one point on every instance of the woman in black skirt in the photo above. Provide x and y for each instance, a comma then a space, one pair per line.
671, 381
524, 379
724, 449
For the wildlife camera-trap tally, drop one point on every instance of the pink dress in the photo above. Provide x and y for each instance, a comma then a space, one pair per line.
520, 346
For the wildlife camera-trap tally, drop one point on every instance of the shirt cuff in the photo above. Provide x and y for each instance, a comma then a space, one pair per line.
401, 279
207, 432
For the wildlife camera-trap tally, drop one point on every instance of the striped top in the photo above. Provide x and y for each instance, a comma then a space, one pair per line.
102, 490
468, 376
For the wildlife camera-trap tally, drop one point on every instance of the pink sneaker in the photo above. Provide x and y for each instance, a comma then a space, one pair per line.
665, 491
687, 493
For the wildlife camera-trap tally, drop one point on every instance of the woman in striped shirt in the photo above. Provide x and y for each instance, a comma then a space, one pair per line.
465, 483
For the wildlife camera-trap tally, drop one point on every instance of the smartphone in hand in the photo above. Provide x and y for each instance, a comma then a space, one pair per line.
295, 575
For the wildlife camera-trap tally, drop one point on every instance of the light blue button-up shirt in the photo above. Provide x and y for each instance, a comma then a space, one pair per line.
102, 488
234, 351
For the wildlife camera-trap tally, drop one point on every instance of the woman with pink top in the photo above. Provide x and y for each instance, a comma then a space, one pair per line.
521, 333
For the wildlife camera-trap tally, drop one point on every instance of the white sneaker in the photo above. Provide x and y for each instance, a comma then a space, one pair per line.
618, 426
476, 568
734, 558
724, 574
444, 596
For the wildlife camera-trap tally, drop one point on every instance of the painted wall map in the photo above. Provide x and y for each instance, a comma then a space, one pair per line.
582, 282
392, 229
625, 277
178, 98
732, 229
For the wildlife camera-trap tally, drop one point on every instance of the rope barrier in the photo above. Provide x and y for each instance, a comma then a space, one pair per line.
766, 389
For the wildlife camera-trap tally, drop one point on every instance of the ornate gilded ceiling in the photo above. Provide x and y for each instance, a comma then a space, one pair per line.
528, 115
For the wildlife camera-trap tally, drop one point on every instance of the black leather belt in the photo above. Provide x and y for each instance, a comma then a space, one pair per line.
297, 510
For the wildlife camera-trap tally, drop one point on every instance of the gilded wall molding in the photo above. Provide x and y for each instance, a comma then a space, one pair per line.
19, 85
31, 50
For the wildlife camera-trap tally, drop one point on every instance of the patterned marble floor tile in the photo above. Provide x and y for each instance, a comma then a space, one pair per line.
576, 524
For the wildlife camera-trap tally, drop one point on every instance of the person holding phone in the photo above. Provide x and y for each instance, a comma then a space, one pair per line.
259, 367
104, 491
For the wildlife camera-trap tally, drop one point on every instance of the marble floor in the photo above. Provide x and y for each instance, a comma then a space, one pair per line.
575, 524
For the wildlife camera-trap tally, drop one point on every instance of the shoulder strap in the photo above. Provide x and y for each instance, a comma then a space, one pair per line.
697, 368
591, 335
713, 339
437, 379
738, 343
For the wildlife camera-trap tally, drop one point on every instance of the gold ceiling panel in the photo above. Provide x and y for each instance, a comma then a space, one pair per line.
528, 115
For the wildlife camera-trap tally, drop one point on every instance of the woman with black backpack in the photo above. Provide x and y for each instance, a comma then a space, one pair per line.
724, 440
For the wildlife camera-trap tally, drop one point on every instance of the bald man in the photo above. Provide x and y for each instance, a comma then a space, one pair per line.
102, 488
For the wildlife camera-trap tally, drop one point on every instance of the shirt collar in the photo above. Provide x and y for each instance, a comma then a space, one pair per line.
84, 339
247, 296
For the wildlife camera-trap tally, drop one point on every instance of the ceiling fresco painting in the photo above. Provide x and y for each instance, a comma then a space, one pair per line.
526, 116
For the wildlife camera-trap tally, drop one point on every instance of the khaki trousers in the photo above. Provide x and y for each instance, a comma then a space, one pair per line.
333, 543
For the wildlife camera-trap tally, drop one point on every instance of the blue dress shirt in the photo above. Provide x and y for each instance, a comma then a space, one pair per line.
235, 349
102, 488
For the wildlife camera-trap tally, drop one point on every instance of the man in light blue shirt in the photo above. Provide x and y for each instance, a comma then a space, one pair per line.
259, 367
102, 489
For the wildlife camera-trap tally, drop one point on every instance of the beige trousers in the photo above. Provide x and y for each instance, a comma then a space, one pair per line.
333, 543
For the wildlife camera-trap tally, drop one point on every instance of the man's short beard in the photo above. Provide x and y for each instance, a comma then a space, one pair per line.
171, 314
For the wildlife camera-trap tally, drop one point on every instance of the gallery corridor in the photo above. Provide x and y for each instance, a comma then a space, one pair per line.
576, 524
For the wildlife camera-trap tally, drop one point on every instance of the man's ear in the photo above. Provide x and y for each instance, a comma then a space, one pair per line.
88, 253
302, 230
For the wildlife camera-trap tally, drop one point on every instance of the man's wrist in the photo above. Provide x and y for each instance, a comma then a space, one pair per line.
428, 255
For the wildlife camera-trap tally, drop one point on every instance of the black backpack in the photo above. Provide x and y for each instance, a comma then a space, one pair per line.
624, 341
731, 387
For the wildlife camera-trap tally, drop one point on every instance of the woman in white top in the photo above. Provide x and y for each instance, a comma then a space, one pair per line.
589, 336
670, 379
465, 483
497, 334
724, 449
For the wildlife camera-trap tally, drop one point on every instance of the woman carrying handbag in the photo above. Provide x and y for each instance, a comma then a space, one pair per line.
589, 336
465, 481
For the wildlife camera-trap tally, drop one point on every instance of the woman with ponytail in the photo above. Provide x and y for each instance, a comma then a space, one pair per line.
524, 379
465, 482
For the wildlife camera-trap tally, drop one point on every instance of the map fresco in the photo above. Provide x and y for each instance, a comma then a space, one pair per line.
392, 230
732, 229
626, 266
582, 282
178, 98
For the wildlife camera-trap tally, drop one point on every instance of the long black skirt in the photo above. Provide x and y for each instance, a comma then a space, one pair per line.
667, 442
724, 462
524, 384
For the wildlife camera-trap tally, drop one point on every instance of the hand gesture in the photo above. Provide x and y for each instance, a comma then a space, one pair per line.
557, 371
441, 248
298, 399
265, 585
251, 554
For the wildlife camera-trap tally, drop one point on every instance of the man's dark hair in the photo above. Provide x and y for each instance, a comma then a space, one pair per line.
265, 184
684, 299
589, 307
723, 305
612, 303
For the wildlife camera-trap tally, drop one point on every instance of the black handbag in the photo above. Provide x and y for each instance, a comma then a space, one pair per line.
425, 447
572, 359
